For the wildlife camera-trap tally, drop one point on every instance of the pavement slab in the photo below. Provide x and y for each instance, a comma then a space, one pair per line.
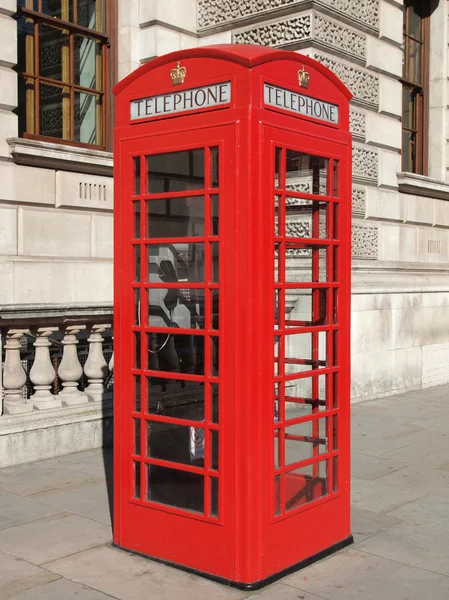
17, 575
52, 538
62, 589
131, 577
88, 499
365, 466
280, 591
16, 510
356, 575
365, 523
97, 463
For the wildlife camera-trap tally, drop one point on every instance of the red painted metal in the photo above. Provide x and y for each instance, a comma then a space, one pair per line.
277, 507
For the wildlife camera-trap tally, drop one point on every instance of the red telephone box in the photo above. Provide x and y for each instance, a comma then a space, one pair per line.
232, 312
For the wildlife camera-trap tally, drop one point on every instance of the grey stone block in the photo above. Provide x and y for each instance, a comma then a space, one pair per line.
62, 589
18, 575
15, 510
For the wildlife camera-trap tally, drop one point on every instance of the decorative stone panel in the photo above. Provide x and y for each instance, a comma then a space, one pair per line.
362, 84
306, 28
298, 229
339, 37
277, 34
357, 124
365, 241
358, 201
217, 12
365, 164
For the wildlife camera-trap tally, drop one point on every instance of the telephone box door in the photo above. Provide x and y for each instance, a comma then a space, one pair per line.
175, 498
309, 190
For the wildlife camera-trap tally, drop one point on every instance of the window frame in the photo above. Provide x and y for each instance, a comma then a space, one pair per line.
418, 163
108, 73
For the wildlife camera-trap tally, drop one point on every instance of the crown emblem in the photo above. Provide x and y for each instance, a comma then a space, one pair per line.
178, 74
303, 78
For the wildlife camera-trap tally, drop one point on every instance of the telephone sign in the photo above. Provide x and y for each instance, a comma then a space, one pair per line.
232, 176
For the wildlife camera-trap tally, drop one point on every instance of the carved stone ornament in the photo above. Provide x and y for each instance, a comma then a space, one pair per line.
365, 164
365, 241
178, 74
279, 34
358, 201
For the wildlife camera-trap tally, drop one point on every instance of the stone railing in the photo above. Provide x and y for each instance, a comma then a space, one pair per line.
55, 361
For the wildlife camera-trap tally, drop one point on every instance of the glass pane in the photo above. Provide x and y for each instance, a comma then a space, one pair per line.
176, 353
214, 496
176, 488
336, 235
335, 393
54, 53
215, 450
136, 161
335, 474
335, 308
137, 393
215, 304
176, 171
277, 167
136, 479
277, 495
305, 263
215, 402
175, 217
215, 343
30, 4
137, 262
87, 62
335, 436
408, 139
305, 484
306, 173
88, 116
214, 166
54, 116
91, 14
305, 396
415, 15
408, 108
136, 436
169, 263
215, 215
137, 219
61, 9
215, 262
335, 349
306, 218
277, 449
277, 203
309, 307
414, 61
176, 443
176, 398
336, 178
174, 307
137, 306
305, 440
304, 352
137, 349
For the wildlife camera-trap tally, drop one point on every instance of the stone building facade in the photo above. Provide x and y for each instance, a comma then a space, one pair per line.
56, 198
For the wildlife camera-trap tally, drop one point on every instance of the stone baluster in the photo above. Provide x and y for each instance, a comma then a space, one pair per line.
42, 372
111, 363
95, 367
14, 376
70, 369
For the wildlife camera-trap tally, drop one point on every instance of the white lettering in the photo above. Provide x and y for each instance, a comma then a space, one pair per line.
165, 104
300, 104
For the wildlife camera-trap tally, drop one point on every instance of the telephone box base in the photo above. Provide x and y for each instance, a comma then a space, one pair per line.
257, 585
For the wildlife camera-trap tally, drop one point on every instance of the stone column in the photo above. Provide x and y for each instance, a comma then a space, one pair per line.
42, 372
95, 367
14, 376
70, 369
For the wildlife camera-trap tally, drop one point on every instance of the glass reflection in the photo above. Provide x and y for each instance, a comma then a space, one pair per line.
169, 263
172, 442
176, 398
174, 307
176, 353
175, 217
305, 484
175, 171
307, 173
175, 488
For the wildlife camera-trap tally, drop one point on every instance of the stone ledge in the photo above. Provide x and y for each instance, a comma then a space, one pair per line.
14, 313
37, 153
42, 435
420, 185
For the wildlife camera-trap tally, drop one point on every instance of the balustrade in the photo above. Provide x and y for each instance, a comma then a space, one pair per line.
43, 366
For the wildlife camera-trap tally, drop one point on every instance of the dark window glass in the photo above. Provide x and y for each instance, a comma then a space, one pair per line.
215, 402
136, 160
214, 496
136, 436
136, 480
176, 398
214, 163
178, 353
176, 488
137, 350
175, 217
215, 215
175, 171
137, 393
137, 219
176, 443
174, 307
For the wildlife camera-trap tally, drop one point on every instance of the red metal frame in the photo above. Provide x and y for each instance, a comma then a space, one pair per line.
256, 534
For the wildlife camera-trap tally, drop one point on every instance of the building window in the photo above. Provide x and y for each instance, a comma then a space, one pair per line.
63, 63
415, 86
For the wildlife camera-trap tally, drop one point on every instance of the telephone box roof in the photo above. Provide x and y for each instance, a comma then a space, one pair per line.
246, 55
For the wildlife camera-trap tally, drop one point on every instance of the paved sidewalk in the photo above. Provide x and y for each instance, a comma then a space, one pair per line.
55, 528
